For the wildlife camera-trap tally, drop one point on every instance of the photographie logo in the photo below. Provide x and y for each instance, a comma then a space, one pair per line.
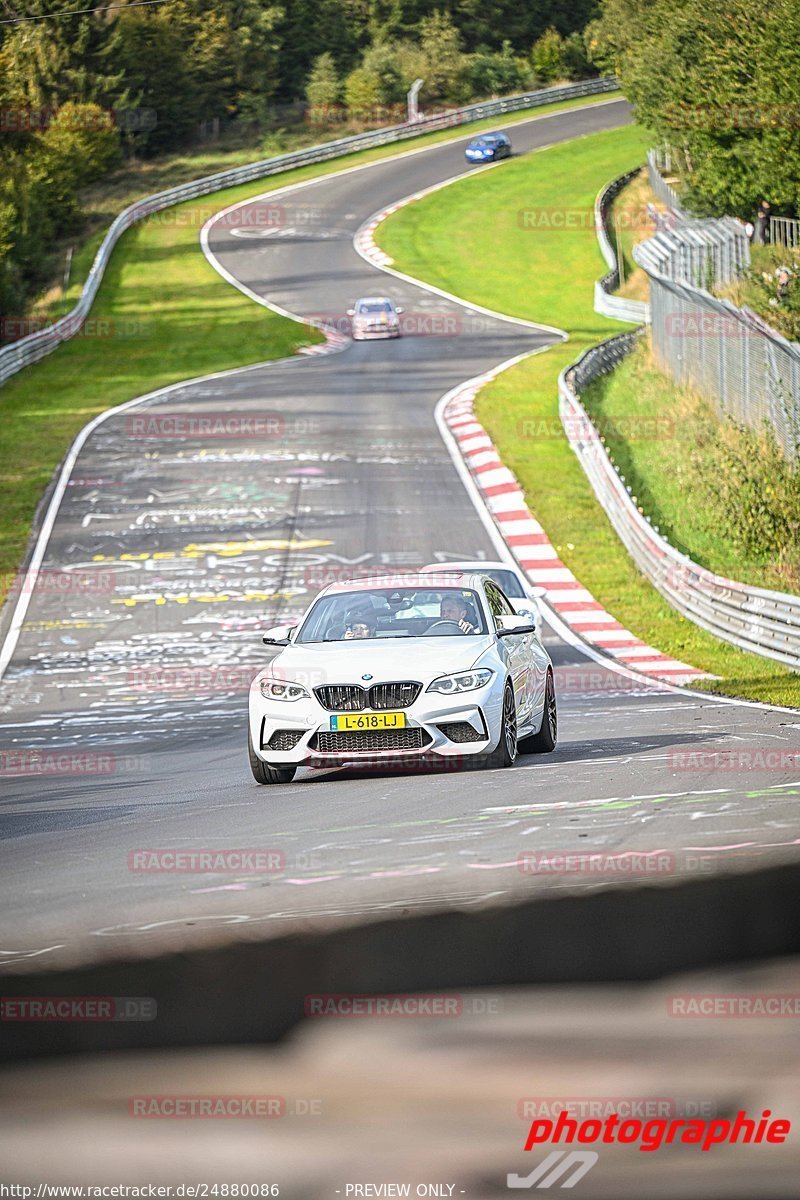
652, 1134
560, 1166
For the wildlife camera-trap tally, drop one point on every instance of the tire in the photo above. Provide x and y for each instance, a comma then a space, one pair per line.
546, 740
505, 753
263, 772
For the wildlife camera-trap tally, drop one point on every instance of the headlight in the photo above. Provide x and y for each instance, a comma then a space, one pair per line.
464, 681
281, 689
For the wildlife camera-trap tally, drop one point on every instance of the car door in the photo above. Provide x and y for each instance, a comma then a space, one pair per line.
516, 651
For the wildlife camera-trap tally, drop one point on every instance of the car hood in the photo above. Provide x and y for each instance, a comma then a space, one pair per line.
385, 659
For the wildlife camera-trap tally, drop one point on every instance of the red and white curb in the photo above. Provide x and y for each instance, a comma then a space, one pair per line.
365, 238
334, 341
533, 550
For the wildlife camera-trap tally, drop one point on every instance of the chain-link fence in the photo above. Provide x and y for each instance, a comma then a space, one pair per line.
738, 362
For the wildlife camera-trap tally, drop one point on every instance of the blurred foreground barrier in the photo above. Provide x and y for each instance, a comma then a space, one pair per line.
245, 982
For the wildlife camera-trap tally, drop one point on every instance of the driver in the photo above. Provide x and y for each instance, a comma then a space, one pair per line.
453, 608
360, 624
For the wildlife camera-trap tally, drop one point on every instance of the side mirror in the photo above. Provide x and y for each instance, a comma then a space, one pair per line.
539, 591
279, 635
399, 310
515, 625
351, 312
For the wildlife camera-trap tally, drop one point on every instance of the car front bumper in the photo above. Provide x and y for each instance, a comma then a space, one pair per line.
273, 724
362, 332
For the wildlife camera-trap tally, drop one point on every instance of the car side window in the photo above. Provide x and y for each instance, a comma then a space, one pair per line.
495, 602
507, 606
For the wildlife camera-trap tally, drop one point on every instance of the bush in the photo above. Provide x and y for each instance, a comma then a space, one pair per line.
548, 56
323, 87
755, 492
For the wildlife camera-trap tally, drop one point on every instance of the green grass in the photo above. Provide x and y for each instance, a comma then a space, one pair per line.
183, 320
663, 439
468, 239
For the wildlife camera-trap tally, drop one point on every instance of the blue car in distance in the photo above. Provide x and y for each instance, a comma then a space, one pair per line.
488, 147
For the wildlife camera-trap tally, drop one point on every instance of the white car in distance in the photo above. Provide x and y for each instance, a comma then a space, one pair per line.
374, 317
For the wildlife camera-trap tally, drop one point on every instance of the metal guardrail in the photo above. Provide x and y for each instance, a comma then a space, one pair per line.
658, 161
605, 303
36, 345
754, 619
785, 231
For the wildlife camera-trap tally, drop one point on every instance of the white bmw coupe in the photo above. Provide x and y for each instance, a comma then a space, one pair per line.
402, 667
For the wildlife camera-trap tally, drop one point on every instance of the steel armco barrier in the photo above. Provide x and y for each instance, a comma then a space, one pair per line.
755, 619
36, 345
605, 303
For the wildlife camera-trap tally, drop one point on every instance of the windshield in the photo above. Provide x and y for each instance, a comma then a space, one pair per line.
374, 306
394, 613
506, 580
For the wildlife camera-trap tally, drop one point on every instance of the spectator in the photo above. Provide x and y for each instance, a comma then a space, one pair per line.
761, 232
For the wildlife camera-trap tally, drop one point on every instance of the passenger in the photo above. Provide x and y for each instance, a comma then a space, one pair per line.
360, 625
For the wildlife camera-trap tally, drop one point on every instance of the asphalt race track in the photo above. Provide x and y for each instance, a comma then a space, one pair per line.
189, 544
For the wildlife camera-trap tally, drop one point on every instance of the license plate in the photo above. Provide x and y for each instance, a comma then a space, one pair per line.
364, 721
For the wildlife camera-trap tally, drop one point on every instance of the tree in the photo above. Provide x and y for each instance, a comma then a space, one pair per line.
491, 74
384, 62
548, 56
442, 61
362, 93
722, 84
323, 88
